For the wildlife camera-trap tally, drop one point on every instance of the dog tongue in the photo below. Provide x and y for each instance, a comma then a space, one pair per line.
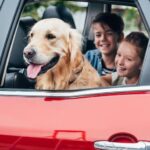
33, 70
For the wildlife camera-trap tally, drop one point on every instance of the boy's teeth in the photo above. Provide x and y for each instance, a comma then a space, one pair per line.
105, 45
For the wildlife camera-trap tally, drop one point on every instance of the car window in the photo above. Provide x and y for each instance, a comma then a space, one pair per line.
75, 14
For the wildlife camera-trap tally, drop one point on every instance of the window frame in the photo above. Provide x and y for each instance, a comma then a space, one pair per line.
73, 93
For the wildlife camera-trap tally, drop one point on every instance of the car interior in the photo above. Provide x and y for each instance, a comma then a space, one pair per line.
16, 74
15, 77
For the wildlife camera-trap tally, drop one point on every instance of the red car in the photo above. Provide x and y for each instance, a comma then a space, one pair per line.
101, 118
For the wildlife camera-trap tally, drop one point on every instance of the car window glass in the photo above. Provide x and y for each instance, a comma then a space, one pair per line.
34, 12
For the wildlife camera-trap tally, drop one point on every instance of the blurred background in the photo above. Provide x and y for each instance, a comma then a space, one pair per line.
130, 15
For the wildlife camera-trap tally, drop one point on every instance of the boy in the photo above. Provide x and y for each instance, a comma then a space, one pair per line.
108, 32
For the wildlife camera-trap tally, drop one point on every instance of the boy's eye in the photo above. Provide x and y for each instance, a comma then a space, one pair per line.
129, 59
110, 33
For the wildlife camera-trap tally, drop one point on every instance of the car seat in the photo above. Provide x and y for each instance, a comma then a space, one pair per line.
60, 12
14, 76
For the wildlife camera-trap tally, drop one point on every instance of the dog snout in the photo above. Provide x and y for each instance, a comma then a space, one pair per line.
29, 53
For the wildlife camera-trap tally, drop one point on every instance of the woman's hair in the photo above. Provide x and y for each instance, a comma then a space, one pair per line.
114, 21
138, 39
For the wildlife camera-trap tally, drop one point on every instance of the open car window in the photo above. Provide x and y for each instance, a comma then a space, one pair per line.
76, 15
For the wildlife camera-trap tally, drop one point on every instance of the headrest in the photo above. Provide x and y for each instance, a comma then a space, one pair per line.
16, 58
60, 12
27, 23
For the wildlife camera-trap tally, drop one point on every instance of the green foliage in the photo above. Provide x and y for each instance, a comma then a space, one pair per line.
131, 17
31, 9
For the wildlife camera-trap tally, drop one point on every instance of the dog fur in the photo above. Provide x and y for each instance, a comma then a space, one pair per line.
51, 37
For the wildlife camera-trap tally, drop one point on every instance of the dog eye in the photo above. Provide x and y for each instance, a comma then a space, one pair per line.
31, 35
28, 38
50, 36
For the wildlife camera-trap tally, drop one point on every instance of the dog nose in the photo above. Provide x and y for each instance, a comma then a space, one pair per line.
29, 53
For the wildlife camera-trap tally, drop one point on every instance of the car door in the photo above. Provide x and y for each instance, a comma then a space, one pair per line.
73, 119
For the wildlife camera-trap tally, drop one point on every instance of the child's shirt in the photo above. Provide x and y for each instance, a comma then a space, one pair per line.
95, 58
117, 80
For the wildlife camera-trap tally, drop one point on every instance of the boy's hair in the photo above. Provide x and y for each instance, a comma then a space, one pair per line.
140, 40
114, 21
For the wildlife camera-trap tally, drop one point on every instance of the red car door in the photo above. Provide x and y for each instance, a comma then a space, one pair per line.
31, 122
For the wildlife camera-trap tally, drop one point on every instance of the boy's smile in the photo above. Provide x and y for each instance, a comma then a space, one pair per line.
105, 38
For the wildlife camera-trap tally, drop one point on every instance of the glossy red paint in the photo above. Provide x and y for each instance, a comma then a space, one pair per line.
31, 143
75, 121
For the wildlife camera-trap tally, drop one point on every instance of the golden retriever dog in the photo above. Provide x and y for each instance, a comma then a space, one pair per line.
55, 60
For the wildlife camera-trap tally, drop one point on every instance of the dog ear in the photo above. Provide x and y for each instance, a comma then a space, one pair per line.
75, 43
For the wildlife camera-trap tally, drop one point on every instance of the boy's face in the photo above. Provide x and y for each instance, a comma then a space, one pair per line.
128, 63
105, 39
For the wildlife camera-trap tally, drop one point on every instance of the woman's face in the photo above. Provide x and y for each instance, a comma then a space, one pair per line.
128, 62
106, 40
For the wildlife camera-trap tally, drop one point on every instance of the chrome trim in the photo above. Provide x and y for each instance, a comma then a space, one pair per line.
105, 145
73, 93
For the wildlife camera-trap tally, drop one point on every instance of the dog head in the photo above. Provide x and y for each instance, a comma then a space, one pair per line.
50, 41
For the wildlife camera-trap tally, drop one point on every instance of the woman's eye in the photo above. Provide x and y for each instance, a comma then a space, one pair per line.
50, 36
